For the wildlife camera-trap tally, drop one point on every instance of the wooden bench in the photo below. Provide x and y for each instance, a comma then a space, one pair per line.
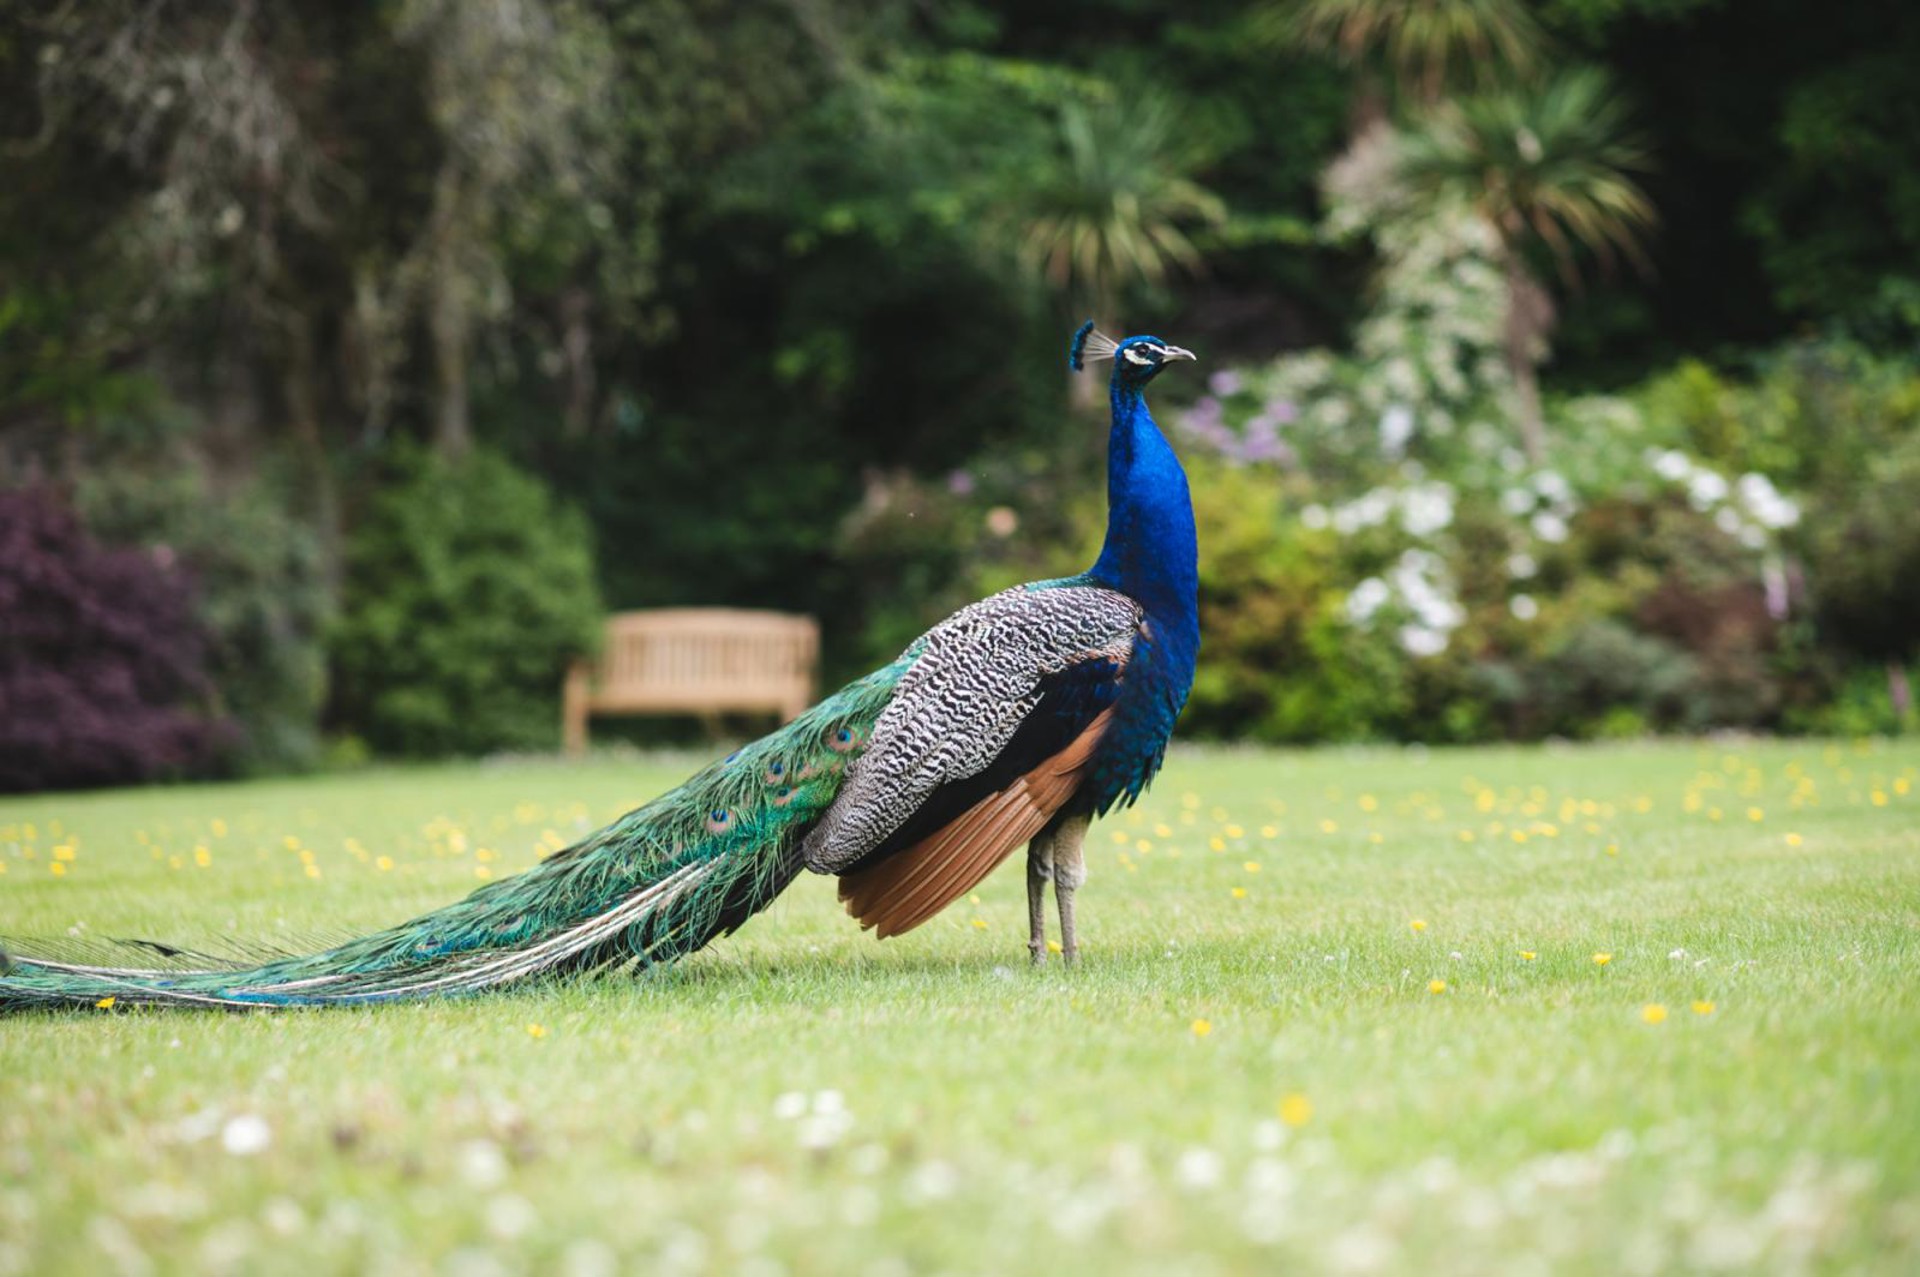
704, 661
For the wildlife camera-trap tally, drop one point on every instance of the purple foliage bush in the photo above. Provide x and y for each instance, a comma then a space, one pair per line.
102, 663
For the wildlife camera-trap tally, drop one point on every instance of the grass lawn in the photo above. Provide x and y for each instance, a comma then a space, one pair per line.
1632, 1009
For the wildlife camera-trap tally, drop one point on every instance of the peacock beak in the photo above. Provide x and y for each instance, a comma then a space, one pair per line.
1175, 352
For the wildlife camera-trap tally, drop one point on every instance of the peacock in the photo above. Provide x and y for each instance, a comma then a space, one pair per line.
1016, 720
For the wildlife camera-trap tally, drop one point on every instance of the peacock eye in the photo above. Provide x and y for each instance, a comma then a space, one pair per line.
718, 820
775, 771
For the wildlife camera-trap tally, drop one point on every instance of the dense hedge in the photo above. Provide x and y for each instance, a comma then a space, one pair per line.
468, 590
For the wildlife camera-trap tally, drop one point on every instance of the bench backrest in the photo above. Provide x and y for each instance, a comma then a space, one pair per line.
705, 659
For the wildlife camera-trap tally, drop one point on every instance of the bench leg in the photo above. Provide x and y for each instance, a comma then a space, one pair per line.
573, 710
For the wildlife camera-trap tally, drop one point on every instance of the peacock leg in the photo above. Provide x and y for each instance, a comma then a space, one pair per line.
1069, 871
1039, 870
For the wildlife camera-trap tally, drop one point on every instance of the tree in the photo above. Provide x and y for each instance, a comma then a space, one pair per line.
1115, 209
518, 90
1549, 167
1427, 46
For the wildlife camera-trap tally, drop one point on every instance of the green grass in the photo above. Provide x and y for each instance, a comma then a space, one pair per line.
1248, 1071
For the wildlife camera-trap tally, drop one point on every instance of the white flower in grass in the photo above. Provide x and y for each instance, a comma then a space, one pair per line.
1516, 501
1314, 517
1523, 607
1521, 566
1197, 1169
932, 1182
1396, 428
246, 1135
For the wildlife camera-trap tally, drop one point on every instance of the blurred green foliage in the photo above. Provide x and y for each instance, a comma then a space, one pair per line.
771, 296
259, 578
469, 589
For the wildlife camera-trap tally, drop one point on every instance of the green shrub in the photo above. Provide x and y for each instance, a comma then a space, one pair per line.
1863, 566
260, 587
468, 590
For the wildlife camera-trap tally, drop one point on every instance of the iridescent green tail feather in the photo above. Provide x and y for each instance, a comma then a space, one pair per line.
653, 886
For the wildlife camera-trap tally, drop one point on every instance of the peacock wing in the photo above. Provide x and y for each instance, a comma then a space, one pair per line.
981, 744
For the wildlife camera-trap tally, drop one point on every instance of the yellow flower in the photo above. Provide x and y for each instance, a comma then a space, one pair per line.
383, 864
1053, 946
978, 924
64, 851
1217, 843
219, 828
202, 857
1417, 924
536, 1030
59, 869
1436, 986
1879, 798
1794, 840
1296, 1109
1703, 1008
1329, 827
1528, 955
1602, 959
1269, 831
1201, 1028
1653, 1013
1239, 893
1756, 815
106, 1003
1252, 866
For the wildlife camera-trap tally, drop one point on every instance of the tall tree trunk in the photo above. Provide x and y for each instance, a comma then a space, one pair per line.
300, 386
449, 320
576, 342
1528, 313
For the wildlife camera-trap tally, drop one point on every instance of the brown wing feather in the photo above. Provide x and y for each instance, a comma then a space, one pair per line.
907, 888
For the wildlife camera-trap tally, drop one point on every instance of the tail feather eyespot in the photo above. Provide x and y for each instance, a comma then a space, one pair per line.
843, 740
719, 821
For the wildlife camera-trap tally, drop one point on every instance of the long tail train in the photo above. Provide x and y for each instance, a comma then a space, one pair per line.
657, 884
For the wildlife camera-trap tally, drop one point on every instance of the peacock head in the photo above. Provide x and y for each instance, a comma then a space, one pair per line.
1136, 361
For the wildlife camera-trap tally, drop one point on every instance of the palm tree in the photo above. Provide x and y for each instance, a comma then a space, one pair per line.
1114, 208
1549, 167
1424, 45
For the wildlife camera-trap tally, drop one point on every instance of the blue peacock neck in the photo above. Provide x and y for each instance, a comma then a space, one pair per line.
1150, 552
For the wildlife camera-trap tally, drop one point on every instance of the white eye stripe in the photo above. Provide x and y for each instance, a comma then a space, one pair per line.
1134, 356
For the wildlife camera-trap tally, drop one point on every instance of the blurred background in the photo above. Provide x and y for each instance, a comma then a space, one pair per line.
1560, 358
